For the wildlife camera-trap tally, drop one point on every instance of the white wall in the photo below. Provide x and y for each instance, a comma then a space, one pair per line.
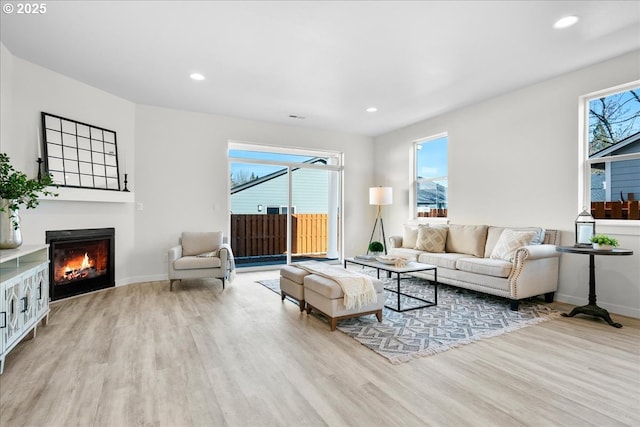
34, 89
183, 176
513, 161
176, 160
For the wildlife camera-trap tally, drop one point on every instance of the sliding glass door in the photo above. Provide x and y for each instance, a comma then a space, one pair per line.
285, 205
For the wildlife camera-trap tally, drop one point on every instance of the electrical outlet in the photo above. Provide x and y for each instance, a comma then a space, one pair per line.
139, 207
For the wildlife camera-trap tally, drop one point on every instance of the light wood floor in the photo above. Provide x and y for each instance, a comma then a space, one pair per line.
139, 355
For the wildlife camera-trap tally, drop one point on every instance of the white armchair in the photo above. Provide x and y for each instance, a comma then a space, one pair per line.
201, 255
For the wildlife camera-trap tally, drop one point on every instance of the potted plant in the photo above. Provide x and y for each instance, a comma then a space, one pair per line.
376, 247
16, 190
603, 242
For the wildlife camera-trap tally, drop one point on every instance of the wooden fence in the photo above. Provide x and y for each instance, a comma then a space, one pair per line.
433, 213
616, 210
257, 235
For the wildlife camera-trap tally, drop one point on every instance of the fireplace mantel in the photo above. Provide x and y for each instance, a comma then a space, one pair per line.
70, 194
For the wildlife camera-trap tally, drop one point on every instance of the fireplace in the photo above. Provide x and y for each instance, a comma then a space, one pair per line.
81, 261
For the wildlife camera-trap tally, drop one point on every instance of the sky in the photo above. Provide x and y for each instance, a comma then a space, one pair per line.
432, 159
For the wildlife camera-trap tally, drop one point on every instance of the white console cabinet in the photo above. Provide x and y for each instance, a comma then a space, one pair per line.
24, 294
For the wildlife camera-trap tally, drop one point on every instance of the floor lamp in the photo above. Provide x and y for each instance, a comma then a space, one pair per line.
380, 196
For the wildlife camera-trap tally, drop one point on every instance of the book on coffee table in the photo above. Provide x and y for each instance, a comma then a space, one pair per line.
365, 257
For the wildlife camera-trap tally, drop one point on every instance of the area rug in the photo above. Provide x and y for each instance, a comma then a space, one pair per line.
461, 317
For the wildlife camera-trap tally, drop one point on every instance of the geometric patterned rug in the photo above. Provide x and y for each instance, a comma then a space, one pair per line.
461, 317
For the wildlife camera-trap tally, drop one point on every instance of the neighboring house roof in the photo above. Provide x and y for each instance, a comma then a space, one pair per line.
431, 196
273, 175
628, 142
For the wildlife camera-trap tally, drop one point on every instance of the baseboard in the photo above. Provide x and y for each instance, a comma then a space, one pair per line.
612, 308
139, 279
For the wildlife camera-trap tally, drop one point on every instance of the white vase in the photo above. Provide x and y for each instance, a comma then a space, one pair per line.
10, 235
601, 247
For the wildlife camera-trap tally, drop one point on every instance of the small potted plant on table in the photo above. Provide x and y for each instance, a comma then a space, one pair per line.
376, 248
603, 242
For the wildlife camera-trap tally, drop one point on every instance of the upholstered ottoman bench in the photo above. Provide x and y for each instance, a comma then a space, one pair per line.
326, 296
292, 285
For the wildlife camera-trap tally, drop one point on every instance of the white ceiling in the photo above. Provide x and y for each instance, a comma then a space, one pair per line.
326, 61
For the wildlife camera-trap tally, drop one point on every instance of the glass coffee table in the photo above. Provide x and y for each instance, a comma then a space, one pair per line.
410, 267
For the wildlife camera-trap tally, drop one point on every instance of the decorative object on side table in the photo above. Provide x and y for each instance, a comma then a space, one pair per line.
602, 242
585, 228
15, 190
592, 308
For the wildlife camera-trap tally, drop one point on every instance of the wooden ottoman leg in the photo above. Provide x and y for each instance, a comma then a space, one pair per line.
379, 315
333, 323
301, 306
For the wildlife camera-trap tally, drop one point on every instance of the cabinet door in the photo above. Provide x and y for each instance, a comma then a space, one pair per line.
14, 319
3, 319
28, 298
42, 290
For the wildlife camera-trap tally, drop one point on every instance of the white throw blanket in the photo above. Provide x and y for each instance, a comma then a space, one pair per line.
358, 289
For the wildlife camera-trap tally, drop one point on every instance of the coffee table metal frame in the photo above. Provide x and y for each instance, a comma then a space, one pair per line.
411, 267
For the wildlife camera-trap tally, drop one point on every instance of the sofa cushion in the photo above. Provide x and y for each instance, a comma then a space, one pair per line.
509, 242
441, 260
409, 236
431, 239
194, 262
494, 233
467, 239
485, 266
199, 242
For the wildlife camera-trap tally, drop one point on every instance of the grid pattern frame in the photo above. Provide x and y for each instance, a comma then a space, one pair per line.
79, 154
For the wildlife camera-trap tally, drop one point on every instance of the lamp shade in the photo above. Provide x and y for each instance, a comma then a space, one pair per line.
380, 195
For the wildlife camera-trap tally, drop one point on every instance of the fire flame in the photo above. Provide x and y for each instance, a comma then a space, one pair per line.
85, 262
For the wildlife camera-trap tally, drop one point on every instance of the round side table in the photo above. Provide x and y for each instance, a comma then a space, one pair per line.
592, 309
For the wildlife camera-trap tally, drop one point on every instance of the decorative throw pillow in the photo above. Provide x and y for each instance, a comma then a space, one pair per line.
509, 242
409, 236
431, 239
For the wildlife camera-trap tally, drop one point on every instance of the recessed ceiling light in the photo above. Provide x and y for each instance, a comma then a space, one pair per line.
372, 110
565, 22
196, 76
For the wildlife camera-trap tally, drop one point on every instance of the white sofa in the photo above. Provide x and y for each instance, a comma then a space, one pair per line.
475, 257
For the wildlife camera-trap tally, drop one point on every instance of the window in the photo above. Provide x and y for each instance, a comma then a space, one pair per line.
610, 152
301, 193
431, 171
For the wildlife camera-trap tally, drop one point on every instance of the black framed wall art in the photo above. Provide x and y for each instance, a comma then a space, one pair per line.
79, 154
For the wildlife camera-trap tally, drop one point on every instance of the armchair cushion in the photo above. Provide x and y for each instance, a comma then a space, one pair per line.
194, 262
196, 243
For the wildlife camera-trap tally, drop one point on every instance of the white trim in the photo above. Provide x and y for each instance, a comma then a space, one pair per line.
72, 194
584, 163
